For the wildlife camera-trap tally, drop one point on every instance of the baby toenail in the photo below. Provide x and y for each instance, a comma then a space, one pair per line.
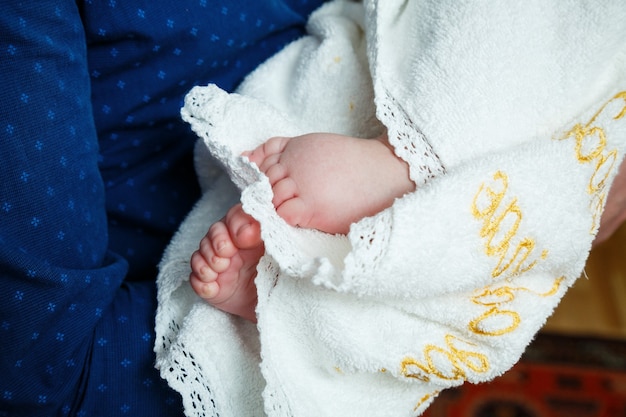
211, 290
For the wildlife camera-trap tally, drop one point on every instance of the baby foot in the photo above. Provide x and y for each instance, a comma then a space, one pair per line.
224, 266
327, 182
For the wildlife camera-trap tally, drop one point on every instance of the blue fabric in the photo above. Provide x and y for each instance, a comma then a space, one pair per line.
96, 175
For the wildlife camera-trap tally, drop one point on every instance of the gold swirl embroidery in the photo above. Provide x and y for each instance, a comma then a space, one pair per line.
602, 172
590, 146
515, 320
500, 229
424, 399
494, 298
459, 360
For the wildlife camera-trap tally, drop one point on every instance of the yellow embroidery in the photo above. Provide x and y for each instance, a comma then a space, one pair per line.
505, 294
584, 134
457, 359
501, 218
493, 197
596, 205
474, 325
590, 147
597, 185
424, 399
619, 96
494, 298
493, 228
499, 230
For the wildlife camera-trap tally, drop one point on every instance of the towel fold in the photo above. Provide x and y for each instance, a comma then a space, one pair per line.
513, 160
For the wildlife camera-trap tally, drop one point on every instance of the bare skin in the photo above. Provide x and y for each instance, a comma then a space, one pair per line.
327, 182
224, 266
321, 181
312, 176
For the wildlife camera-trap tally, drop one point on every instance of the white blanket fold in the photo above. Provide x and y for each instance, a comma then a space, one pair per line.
452, 282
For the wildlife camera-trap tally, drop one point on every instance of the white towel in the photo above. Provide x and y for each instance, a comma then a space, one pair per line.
511, 117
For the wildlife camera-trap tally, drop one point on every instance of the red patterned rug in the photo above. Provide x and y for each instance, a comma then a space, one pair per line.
558, 376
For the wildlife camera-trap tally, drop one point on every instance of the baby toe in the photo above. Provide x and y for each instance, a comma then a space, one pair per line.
205, 290
244, 230
295, 212
201, 269
220, 242
284, 190
276, 173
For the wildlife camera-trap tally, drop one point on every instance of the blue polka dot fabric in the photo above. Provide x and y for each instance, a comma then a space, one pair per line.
96, 175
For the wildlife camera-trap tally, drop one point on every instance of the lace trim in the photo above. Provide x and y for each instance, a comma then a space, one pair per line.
409, 142
370, 236
185, 371
369, 243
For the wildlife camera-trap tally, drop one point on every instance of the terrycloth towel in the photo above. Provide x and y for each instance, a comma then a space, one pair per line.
511, 117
